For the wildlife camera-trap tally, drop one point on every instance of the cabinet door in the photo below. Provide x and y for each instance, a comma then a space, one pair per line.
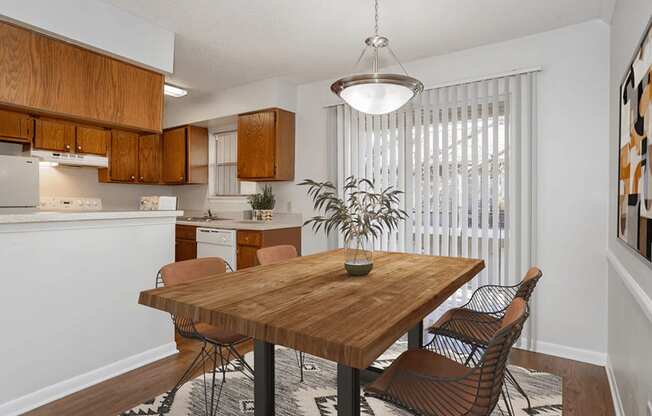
123, 161
185, 250
256, 145
16, 126
54, 135
174, 156
246, 256
149, 153
92, 140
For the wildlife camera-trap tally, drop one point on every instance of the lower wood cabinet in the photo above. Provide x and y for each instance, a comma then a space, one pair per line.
250, 241
185, 245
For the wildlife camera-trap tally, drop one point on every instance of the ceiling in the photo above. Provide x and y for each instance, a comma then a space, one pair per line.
226, 43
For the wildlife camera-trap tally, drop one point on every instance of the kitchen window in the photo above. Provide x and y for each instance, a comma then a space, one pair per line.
225, 166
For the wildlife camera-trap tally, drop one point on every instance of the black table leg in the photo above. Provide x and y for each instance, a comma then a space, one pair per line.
263, 378
348, 391
415, 337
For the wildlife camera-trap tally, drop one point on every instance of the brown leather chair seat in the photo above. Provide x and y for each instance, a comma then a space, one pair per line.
221, 336
471, 326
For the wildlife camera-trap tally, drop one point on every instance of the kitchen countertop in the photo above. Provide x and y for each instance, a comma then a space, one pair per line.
22, 216
242, 224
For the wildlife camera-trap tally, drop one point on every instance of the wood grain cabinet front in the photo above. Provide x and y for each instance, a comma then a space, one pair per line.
149, 158
185, 247
185, 155
92, 140
249, 241
123, 160
266, 145
56, 135
16, 127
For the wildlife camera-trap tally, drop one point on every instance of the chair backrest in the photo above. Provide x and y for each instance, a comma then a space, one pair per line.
269, 255
189, 270
491, 372
528, 283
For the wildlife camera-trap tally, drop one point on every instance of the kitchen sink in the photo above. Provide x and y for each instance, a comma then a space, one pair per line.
202, 219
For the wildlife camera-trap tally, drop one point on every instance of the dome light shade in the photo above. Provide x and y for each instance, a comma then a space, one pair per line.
377, 93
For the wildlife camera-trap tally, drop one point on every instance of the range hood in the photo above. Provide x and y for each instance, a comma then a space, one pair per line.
71, 159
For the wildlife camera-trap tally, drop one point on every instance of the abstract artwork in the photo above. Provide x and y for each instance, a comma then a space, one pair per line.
635, 170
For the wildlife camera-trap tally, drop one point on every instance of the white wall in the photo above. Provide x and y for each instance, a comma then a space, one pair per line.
69, 181
94, 24
630, 323
69, 308
572, 178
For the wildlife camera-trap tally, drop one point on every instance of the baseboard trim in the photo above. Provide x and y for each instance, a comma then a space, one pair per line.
563, 351
615, 393
634, 288
56, 391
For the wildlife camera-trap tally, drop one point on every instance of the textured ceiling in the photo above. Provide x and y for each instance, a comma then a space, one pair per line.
225, 43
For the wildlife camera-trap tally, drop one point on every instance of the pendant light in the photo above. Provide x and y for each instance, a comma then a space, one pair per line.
375, 92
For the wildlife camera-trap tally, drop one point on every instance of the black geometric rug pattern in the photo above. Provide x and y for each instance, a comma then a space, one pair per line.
317, 395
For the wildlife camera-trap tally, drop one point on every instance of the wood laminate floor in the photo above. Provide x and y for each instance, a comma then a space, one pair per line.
585, 386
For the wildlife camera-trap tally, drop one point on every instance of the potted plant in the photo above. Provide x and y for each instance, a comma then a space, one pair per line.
262, 204
361, 216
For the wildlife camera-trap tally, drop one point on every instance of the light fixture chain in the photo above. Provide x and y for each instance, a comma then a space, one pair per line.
376, 17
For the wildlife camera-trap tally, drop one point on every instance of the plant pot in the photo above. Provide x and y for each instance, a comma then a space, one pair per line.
265, 214
359, 256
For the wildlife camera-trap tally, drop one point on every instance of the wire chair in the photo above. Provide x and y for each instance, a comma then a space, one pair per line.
463, 334
216, 343
429, 384
273, 254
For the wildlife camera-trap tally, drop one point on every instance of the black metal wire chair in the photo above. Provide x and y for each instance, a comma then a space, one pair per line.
216, 343
429, 384
463, 334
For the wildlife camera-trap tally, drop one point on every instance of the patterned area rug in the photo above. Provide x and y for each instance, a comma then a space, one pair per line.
317, 395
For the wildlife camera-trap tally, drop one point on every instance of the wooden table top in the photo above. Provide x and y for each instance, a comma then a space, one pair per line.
310, 304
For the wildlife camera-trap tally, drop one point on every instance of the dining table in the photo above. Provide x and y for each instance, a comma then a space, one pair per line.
312, 305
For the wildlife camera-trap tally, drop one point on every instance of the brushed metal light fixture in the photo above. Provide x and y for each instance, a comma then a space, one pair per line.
376, 92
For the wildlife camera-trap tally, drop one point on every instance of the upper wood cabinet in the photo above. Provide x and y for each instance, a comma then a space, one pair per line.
92, 140
266, 145
54, 135
174, 155
16, 127
149, 158
123, 160
185, 155
57, 78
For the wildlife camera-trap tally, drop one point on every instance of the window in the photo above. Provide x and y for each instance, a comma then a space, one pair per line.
462, 154
223, 161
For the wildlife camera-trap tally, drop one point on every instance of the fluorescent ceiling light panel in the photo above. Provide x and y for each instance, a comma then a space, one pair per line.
173, 91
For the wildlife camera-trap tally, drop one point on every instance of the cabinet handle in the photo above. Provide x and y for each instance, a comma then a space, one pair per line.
181, 178
133, 177
79, 148
142, 178
67, 147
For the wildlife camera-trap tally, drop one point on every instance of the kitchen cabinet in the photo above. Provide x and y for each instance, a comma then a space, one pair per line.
123, 159
56, 135
16, 127
185, 155
249, 241
266, 145
91, 139
52, 77
149, 158
185, 247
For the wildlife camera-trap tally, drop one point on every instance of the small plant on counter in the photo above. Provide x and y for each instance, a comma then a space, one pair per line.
262, 204
360, 217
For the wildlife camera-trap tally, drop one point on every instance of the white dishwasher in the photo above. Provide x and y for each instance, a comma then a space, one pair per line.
214, 242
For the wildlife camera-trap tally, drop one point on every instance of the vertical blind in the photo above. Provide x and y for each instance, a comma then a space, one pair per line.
464, 156
226, 169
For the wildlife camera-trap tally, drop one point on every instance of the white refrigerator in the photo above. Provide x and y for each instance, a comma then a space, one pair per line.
19, 182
